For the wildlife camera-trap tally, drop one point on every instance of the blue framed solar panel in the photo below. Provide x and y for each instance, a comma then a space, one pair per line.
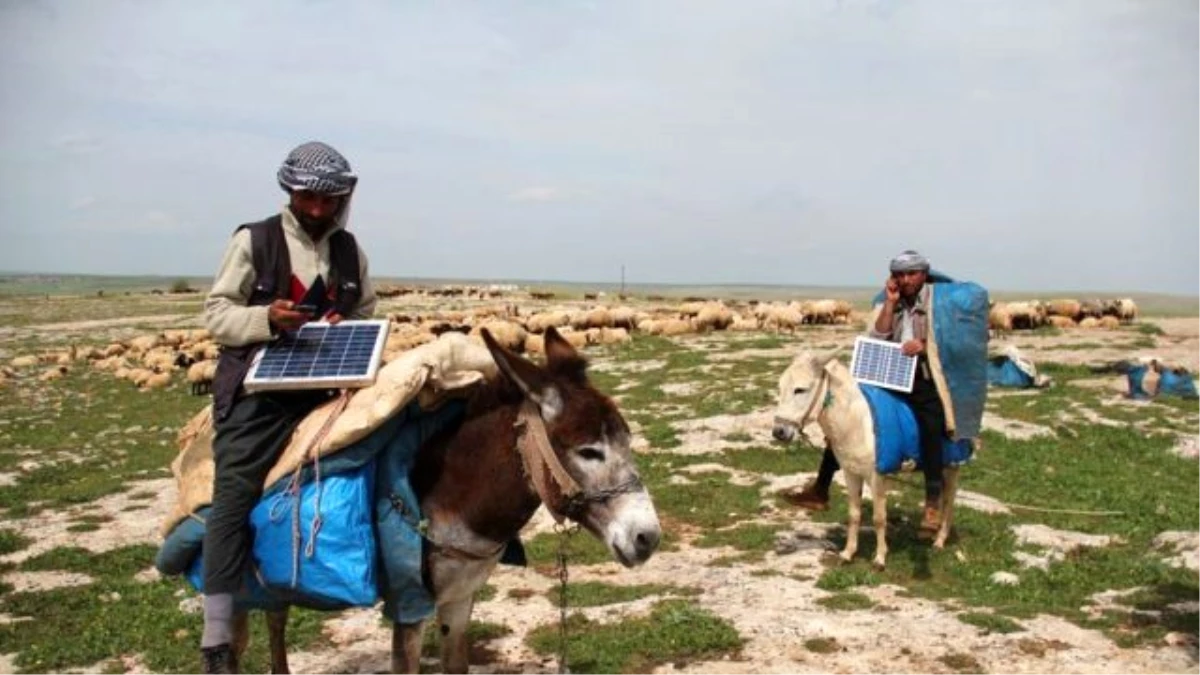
881, 363
321, 356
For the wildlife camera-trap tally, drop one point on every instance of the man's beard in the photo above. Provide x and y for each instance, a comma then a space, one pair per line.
316, 227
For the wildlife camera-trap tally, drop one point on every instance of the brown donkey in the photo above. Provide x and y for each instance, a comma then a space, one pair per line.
535, 435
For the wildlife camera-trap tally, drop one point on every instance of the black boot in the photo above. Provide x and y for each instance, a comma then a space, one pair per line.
219, 659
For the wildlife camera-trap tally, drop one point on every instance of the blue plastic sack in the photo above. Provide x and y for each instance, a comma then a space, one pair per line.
1177, 383
335, 559
960, 328
336, 569
897, 438
1135, 376
1003, 372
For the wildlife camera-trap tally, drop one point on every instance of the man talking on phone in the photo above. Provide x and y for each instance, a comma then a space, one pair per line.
902, 318
296, 266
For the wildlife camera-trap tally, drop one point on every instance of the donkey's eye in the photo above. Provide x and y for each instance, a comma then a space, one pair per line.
799, 390
590, 453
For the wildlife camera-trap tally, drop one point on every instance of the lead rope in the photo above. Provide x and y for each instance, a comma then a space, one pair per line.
564, 536
293, 489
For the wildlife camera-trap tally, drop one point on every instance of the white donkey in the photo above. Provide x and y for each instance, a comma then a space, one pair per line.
822, 386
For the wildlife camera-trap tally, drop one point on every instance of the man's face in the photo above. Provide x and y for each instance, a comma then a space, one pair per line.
315, 211
910, 282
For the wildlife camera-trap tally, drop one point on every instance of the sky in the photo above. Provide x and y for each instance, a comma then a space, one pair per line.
1023, 144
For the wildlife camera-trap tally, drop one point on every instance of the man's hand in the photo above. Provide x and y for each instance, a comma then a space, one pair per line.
333, 318
891, 291
912, 347
283, 317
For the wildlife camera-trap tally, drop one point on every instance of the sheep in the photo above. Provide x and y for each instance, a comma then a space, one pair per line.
741, 323
672, 327
1064, 308
1127, 310
1091, 308
200, 375
115, 349
999, 320
1108, 323
139, 376
1027, 315
1060, 321
715, 316
623, 317
535, 344
614, 336
819, 311
156, 381
599, 318
143, 343
54, 373
781, 317
509, 335
1089, 322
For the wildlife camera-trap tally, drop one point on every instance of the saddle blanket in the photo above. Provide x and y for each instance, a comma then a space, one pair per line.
897, 441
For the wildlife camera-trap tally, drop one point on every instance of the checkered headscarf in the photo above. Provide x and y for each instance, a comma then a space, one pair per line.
316, 167
909, 261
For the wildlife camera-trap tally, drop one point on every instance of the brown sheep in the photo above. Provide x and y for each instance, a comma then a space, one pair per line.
200, 375
54, 373
1059, 321
1064, 308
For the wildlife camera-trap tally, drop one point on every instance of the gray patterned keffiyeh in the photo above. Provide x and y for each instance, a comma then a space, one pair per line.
909, 261
316, 167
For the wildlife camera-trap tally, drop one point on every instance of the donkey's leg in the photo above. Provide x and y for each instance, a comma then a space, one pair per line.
277, 632
949, 492
406, 647
879, 504
453, 619
854, 485
241, 638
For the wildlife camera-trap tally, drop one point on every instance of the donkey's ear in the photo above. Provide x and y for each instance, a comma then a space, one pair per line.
562, 359
534, 382
831, 356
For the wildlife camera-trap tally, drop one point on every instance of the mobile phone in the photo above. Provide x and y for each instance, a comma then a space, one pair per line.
307, 309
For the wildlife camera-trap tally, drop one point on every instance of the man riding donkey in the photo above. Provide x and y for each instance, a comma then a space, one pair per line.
296, 266
903, 318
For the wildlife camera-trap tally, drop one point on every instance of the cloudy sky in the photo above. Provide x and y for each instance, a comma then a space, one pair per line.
1025, 144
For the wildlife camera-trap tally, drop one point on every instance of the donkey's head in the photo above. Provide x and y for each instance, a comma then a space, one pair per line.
798, 388
590, 440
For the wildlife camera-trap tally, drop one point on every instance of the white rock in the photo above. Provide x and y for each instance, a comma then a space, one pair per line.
1005, 579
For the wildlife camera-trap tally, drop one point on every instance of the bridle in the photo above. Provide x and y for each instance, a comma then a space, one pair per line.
562, 494
819, 390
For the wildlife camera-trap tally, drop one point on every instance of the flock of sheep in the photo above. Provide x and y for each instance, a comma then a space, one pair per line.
148, 361
1030, 314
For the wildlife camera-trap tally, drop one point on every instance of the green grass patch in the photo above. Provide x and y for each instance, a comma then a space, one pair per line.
12, 541
745, 537
991, 623
487, 592
676, 632
78, 627
595, 593
846, 602
83, 527
709, 501
822, 645
842, 577
776, 461
582, 549
1152, 329
477, 632
961, 662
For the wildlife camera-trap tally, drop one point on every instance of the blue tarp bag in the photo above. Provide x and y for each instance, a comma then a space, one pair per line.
959, 324
335, 559
1177, 383
336, 568
1003, 372
897, 439
1135, 376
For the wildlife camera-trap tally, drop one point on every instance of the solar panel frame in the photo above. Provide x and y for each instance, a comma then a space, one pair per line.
315, 357
882, 364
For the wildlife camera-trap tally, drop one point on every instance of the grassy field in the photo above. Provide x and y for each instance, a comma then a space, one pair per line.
87, 455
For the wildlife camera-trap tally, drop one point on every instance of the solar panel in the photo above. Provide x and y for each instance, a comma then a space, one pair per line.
320, 356
882, 364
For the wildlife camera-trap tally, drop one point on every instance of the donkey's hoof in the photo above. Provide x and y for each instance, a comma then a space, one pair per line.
845, 559
878, 566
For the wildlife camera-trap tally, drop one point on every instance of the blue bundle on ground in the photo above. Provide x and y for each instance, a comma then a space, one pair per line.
1004, 372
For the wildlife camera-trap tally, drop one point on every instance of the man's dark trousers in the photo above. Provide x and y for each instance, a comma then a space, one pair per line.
931, 424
